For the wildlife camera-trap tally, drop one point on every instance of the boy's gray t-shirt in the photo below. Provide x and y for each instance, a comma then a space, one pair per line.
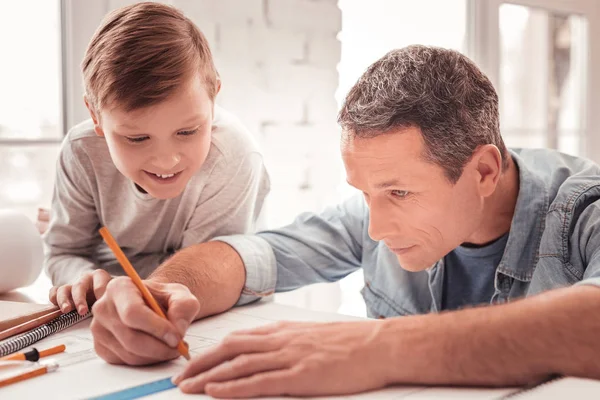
224, 197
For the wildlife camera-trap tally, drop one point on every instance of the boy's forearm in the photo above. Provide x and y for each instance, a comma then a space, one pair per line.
512, 344
66, 269
213, 271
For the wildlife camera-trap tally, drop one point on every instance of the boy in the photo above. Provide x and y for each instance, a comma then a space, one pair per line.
158, 163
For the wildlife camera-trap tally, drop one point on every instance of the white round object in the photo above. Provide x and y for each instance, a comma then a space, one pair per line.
21, 251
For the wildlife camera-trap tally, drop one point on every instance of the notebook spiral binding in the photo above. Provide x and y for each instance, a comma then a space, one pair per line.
26, 339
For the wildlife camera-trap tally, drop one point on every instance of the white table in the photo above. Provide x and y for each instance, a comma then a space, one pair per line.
91, 376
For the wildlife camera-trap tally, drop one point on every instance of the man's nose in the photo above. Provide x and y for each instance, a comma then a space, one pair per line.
380, 222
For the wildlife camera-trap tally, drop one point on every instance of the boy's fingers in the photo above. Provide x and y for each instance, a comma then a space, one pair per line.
43, 215
64, 298
80, 291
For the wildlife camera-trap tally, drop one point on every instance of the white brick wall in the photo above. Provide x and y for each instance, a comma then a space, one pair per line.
277, 60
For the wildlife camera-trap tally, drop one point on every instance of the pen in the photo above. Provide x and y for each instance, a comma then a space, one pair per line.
29, 374
112, 243
34, 354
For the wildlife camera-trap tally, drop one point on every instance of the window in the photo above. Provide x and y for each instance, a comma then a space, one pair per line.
30, 103
542, 75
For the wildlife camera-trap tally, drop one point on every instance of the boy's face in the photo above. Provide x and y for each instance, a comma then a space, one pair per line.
161, 147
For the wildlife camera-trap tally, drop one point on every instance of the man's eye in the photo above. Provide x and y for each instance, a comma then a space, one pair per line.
138, 139
400, 193
187, 133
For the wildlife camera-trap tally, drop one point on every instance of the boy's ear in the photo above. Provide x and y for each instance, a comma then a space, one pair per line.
97, 127
218, 86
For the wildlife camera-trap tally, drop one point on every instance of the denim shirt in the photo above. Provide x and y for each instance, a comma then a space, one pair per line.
554, 241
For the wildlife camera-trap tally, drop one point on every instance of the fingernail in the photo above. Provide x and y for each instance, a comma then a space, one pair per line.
176, 379
64, 307
82, 310
171, 339
181, 326
186, 385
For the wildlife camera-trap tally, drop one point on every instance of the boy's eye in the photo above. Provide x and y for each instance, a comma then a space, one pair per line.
137, 139
187, 133
400, 193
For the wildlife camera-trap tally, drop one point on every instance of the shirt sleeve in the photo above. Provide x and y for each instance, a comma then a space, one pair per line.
314, 248
72, 235
231, 202
587, 234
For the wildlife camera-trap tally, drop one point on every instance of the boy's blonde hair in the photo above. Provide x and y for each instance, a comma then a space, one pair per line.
141, 53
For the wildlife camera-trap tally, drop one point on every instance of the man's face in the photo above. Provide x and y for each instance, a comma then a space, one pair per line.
161, 147
414, 209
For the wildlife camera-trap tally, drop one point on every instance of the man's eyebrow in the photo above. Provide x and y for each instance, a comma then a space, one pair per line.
388, 184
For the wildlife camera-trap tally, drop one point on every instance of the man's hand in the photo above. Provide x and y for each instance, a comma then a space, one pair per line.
127, 331
298, 359
82, 294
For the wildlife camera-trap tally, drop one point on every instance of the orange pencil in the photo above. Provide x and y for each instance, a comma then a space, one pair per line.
112, 243
34, 355
29, 374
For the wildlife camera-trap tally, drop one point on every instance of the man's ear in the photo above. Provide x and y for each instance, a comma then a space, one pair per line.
95, 117
488, 164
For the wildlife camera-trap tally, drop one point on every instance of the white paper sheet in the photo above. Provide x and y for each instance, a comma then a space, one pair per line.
82, 374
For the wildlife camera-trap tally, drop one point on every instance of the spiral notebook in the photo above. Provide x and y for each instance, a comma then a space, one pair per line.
18, 342
14, 313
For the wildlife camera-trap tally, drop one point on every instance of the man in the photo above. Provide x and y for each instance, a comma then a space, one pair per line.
448, 219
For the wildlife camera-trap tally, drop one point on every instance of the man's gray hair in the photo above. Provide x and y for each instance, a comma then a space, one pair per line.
440, 91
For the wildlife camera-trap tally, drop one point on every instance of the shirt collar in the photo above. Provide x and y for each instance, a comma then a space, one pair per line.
522, 248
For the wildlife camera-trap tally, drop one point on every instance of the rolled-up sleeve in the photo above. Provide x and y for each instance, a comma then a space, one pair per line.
315, 248
259, 262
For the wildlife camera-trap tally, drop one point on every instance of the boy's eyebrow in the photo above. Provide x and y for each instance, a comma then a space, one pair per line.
193, 118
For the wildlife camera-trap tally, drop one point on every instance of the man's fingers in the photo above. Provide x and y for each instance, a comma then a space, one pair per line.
229, 348
112, 351
136, 342
105, 353
240, 367
79, 291
182, 308
280, 382
64, 298
100, 281
135, 314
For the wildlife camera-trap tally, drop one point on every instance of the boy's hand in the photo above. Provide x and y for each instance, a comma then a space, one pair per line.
127, 331
82, 294
43, 219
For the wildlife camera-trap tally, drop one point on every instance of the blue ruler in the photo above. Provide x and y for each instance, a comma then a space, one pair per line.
139, 391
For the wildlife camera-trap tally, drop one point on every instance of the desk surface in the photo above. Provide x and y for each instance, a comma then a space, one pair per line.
82, 374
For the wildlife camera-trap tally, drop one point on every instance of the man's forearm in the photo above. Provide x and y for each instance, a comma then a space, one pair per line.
511, 344
213, 271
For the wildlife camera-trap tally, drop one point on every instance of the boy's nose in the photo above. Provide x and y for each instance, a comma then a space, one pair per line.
166, 162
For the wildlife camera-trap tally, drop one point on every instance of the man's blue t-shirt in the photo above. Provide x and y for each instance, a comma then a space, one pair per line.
469, 274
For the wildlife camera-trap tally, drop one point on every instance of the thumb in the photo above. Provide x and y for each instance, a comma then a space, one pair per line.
181, 306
